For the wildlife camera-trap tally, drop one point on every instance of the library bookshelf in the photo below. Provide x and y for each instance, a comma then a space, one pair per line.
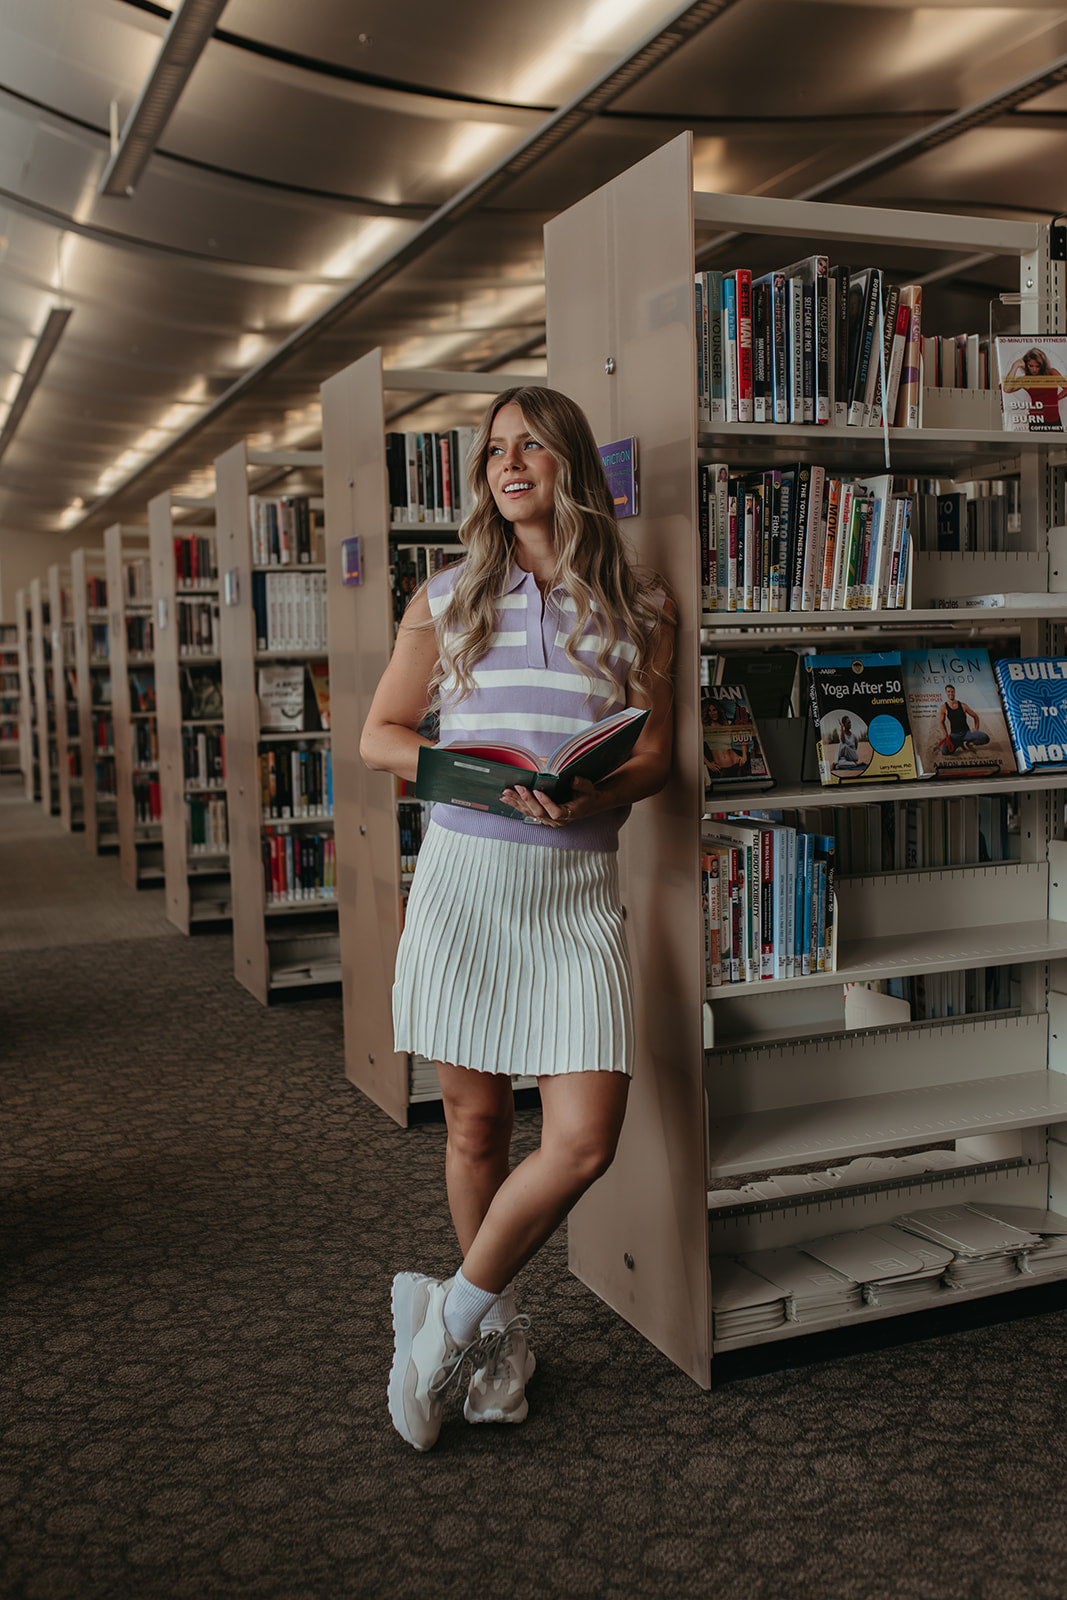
371, 882
42, 669
762, 1078
65, 688
196, 857
95, 726
133, 715
284, 940
27, 697
10, 699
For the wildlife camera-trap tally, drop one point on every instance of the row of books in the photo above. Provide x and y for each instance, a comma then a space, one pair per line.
96, 593
965, 1247
289, 610
296, 782
207, 830
147, 800
104, 775
198, 627
427, 475
412, 819
140, 637
286, 532
931, 996
201, 693
137, 580
900, 835
195, 566
204, 756
801, 539
808, 343
983, 516
294, 697
411, 565
145, 740
99, 648
299, 867
142, 691
769, 904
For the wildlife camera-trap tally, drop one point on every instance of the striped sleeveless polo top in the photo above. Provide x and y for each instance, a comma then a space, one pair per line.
528, 693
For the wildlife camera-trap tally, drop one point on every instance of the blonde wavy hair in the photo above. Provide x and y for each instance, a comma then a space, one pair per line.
592, 564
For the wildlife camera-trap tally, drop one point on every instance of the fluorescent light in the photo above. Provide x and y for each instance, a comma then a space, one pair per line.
43, 351
188, 31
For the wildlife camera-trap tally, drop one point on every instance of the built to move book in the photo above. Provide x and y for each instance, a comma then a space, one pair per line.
473, 775
1034, 694
861, 718
957, 724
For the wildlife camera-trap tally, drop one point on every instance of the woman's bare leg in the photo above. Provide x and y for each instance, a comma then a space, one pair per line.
582, 1120
480, 1116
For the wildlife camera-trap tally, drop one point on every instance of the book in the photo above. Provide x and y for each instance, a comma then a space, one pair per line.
319, 674
861, 718
1032, 375
473, 774
957, 723
280, 688
733, 753
1033, 692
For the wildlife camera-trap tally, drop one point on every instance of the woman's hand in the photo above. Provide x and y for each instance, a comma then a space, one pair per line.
536, 807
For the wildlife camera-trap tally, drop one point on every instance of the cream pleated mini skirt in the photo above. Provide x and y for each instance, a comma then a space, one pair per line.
513, 959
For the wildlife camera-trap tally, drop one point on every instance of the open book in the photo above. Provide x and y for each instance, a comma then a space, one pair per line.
473, 775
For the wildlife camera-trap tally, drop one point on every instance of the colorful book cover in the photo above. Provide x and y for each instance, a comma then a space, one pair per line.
1032, 373
1034, 695
861, 718
620, 469
733, 753
957, 725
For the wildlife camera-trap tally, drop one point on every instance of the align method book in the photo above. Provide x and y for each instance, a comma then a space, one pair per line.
473, 775
1034, 694
957, 724
861, 718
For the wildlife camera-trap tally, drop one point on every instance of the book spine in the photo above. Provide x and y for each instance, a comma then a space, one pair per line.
896, 360
823, 375
716, 376
709, 595
720, 490
812, 542
762, 397
701, 326
768, 959
839, 411
733, 569
857, 410
743, 281
808, 327
749, 601
780, 347
729, 346
795, 344
800, 562
885, 332
833, 515
910, 392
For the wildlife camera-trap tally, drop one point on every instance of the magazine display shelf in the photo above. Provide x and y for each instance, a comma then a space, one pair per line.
275, 947
361, 631
43, 669
140, 843
99, 817
65, 690
27, 735
196, 882
784, 1084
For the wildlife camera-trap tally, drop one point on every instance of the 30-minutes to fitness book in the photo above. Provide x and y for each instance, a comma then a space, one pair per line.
473, 775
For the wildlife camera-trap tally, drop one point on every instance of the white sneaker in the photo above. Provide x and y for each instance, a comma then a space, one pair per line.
497, 1390
426, 1358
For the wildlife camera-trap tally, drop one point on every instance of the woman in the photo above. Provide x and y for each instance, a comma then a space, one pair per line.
513, 958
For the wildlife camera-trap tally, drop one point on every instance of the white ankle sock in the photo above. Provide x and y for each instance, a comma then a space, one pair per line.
465, 1306
502, 1310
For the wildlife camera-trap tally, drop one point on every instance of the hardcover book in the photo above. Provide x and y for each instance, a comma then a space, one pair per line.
957, 724
1033, 382
1034, 694
474, 775
861, 718
733, 753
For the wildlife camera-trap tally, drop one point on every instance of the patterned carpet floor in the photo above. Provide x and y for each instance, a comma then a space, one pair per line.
200, 1221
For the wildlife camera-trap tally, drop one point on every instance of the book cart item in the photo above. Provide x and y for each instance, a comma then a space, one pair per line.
763, 1078
95, 722
192, 771
131, 635
279, 780
377, 827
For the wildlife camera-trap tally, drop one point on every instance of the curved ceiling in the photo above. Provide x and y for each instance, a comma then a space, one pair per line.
308, 197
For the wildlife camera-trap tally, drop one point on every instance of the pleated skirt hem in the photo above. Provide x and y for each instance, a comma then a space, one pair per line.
513, 959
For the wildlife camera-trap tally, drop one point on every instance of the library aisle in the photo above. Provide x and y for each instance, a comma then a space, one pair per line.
201, 1220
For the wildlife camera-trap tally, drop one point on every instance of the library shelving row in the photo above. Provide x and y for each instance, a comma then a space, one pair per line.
272, 630
95, 724
361, 539
188, 677
42, 669
67, 731
10, 719
133, 706
27, 717
763, 1080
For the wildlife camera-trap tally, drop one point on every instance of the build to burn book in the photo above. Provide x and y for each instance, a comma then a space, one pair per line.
957, 724
733, 753
474, 775
861, 718
1034, 694
1032, 373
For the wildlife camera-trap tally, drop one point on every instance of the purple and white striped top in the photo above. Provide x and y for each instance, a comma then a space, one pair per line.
528, 693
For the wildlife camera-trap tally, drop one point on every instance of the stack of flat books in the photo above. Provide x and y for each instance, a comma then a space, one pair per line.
986, 1252
814, 1292
743, 1304
891, 1266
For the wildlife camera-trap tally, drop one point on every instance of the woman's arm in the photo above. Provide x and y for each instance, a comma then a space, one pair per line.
647, 769
389, 742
